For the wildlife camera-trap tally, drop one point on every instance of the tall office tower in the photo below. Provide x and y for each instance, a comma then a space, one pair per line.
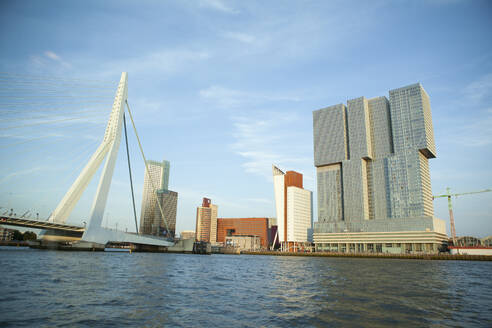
206, 222
169, 203
374, 191
294, 208
156, 189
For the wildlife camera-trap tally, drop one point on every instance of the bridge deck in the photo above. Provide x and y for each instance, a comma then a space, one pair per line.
7, 220
105, 234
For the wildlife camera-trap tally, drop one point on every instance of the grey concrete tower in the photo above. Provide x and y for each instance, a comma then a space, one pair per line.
371, 159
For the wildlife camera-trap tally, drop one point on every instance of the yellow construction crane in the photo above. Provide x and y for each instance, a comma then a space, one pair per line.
450, 207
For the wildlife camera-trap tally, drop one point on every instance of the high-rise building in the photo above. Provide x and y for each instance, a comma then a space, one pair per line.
374, 191
294, 208
206, 221
156, 190
169, 204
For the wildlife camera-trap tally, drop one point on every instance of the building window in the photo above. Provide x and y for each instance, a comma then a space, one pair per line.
360, 248
343, 248
379, 248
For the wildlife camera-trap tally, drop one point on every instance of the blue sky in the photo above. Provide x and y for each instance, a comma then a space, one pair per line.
223, 89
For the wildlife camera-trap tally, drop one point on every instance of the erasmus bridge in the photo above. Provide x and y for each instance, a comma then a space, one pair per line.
93, 235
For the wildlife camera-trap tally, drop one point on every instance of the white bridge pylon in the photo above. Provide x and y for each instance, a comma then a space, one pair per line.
108, 148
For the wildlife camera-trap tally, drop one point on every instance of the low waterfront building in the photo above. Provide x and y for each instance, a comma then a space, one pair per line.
379, 242
487, 241
468, 241
244, 242
187, 234
470, 250
6, 234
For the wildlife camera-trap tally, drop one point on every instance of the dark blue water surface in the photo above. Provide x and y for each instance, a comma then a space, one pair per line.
54, 288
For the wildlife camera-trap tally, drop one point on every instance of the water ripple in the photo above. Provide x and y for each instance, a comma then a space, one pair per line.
53, 289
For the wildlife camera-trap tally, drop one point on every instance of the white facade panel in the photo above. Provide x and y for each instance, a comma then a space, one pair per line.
299, 213
278, 185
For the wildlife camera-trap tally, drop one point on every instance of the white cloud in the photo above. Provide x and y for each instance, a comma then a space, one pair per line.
475, 128
161, 61
196, 195
477, 133
25, 138
147, 112
47, 59
263, 142
444, 2
20, 173
480, 89
259, 200
222, 96
470, 131
92, 137
218, 5
300, 34
52, 55
242, 37
228, 98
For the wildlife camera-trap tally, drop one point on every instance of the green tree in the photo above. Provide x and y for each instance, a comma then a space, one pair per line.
18, 235
29, 235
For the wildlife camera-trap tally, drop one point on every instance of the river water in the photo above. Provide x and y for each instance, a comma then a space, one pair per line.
100, 289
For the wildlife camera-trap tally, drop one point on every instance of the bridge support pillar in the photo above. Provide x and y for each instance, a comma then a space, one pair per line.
68, 245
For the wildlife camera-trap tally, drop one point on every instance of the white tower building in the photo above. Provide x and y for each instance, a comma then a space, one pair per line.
294, 207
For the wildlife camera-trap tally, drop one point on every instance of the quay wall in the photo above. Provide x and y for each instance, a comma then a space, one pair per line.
378, 256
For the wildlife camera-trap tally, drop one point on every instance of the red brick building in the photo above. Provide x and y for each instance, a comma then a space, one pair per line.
243, 226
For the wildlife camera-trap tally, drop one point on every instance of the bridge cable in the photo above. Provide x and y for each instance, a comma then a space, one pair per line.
130, 172
8, 75
23, 118
147, 167
48, 122
23, 141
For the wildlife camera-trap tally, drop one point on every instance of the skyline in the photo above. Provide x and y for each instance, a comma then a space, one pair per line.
234, 85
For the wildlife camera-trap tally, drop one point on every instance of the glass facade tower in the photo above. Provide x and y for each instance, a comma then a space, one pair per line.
371, 159
151, 221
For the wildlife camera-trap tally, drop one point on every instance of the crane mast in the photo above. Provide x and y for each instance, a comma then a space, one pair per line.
450, 207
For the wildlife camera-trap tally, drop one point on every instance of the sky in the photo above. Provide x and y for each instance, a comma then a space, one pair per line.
225, 89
